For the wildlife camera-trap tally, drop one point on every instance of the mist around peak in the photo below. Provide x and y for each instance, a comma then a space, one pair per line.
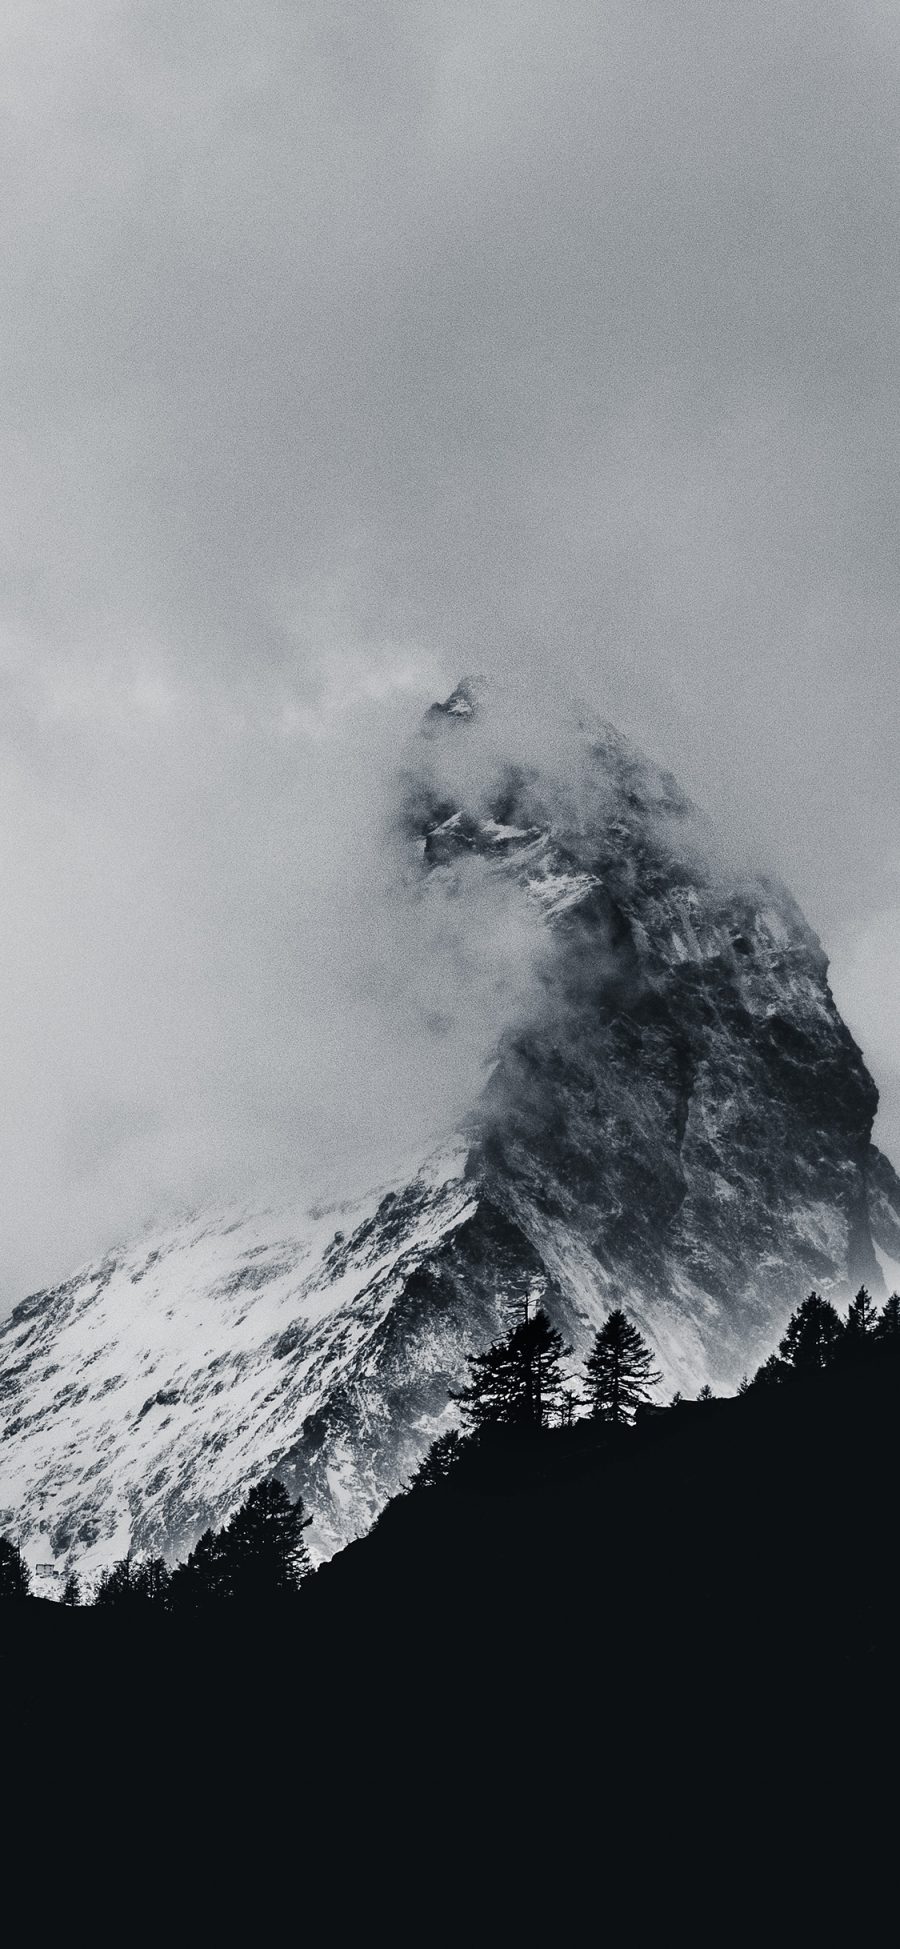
343, 358
248, 988
536, 755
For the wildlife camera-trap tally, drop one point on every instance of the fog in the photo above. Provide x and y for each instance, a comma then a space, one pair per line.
345, 349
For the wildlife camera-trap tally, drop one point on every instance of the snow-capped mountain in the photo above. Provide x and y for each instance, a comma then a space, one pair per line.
679, 1122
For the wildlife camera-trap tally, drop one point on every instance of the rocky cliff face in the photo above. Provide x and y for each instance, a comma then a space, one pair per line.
680, 1123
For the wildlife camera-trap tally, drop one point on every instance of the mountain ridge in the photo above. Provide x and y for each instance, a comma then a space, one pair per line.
679, 1122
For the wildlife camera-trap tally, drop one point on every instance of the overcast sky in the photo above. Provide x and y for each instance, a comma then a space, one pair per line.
349, 347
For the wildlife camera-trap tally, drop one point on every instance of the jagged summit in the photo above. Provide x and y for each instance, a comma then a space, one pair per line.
678, 1122
462, 703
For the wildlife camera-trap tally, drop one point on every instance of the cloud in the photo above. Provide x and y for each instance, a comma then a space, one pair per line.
223, 975
345, 349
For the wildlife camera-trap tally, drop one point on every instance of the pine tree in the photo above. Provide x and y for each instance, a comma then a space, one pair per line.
484, 1401
568, 1403
71, 1594
150, 1582
204, 1578
539, 1350
133, 1584
772, 1372
812, 1337
435, 1467
519, 1380
706, 1393
14, 1577
115, 1586
619, 1372
263, 1546
859, 1327
887, 1331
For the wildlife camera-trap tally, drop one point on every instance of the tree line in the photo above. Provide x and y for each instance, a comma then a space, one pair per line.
817, 1339
521, 1378
521, 1381
260, 1555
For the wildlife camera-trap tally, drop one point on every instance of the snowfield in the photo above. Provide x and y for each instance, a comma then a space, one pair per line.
213, 1340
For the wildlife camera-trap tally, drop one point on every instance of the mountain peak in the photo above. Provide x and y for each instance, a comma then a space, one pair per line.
463, 703
679, 1123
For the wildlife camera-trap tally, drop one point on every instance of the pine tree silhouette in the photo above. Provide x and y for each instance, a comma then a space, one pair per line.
619, 1371
772, 1372
133, 1584
71, 1593
150, 1581
14, 1578
204, 1578
859, 1328
812, 1337
518, 1381
115, 1586
568, 1404
263, 1547
440, 1459
887, 1331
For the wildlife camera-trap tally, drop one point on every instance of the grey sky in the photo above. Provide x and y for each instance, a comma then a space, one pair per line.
347, 347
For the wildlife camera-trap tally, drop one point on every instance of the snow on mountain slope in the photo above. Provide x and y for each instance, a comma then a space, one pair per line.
210, 1341
679, 1122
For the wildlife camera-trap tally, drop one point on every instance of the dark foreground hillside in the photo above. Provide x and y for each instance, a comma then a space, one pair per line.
746, 1543
721, 1551
676, 1643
